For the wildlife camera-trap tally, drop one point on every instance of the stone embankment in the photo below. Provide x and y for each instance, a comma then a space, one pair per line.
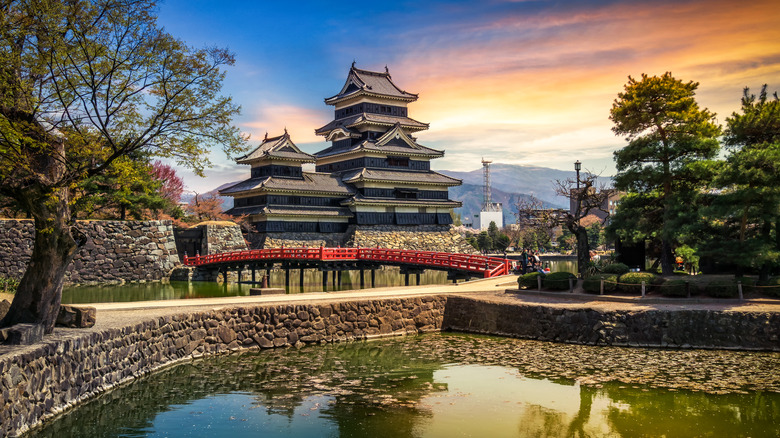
422, 238
115, 252
675, 327
42, 380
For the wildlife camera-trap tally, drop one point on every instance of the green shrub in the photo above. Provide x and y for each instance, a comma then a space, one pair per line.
558, 280
674, 288
8, 284
770, 287
616, 268
722, 289
528, 281
631, 282
593, 284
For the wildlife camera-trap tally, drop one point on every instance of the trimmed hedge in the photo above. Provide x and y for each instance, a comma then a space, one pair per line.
771, 291
616, 268
674, 288
558, 280
528, 281
722, 289
593, 284
631, 282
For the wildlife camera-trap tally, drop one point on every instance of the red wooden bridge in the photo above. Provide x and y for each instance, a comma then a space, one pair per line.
476, 265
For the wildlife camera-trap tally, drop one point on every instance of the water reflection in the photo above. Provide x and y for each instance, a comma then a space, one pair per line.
312, 282
439, 385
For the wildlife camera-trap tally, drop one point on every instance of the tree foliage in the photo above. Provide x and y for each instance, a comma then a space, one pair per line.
667, 133
586, 196
84, 83
745, 215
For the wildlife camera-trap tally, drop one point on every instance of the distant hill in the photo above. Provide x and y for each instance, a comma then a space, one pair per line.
517, 179
471, 197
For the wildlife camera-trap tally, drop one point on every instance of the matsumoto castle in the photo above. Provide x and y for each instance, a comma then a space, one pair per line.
373, 173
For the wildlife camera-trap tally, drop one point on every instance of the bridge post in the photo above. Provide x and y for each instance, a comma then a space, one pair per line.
339, 278
362, 282
253, 275
406, 278
418, 278
373, 277
324, 281
287, 278
300, 276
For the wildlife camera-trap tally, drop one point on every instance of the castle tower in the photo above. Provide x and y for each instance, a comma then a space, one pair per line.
374, 151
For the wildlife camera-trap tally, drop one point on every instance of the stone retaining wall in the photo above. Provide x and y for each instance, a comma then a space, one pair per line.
422, 238
116, 251
39, 381
42, 380
222, 237
678, 328
297, 240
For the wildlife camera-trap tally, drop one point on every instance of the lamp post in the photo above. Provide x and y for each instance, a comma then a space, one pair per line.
577, 167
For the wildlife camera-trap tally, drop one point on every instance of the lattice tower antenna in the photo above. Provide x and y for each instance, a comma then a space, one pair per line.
486, 204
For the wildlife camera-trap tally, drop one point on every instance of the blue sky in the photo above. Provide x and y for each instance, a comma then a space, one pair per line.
519, 82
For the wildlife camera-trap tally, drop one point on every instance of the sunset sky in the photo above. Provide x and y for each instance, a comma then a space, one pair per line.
518, 82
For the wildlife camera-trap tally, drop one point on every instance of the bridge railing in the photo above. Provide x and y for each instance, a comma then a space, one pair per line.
487, 266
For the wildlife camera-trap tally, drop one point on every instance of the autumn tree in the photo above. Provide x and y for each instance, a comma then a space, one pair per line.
84, 83
172, 186
666, 132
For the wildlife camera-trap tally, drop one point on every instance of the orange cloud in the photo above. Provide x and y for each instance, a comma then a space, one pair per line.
273, 119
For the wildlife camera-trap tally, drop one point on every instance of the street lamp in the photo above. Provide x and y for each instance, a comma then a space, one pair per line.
577, 167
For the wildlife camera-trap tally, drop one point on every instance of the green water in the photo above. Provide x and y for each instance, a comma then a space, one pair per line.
444, 385
312, 282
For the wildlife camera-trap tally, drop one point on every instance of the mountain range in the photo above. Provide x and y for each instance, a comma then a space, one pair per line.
509, 183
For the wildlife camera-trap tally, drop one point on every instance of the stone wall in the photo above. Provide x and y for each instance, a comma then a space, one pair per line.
297, 240
421, 238
222, 237
115, 252
644, 328
42, 380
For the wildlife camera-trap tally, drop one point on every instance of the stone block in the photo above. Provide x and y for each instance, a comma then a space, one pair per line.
76, 317
24, 334
4, 306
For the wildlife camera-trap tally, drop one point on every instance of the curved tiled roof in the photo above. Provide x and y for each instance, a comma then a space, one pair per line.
280, 147
372, 146
356, 120
276, 210
387, 175
365, 82
311, 182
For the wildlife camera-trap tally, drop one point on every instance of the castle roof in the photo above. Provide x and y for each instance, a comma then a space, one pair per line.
399, 176
369, 83
361, 119
359, 199
394, 142
312, 182
275, 210
280, 147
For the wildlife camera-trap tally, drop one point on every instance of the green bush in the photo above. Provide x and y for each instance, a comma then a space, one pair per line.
615, 268
558, 280
593, 284
674, 288
770, 287
528, 281
722, 289
631, 282
8, 285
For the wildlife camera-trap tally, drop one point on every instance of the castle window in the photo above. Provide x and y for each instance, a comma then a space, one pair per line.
398, 161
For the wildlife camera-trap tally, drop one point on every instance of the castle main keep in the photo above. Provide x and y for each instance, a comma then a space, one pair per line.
374, 175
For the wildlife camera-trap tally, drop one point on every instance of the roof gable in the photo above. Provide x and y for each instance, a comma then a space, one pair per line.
370, 83
396, 137
281, 147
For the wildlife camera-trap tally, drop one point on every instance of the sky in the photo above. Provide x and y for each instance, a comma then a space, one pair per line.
513, 81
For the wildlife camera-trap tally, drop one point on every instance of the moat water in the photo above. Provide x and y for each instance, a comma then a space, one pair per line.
444, 385
312, 282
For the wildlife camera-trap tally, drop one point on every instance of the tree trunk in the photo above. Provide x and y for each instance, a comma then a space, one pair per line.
666, 258
583, 251
38, 296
